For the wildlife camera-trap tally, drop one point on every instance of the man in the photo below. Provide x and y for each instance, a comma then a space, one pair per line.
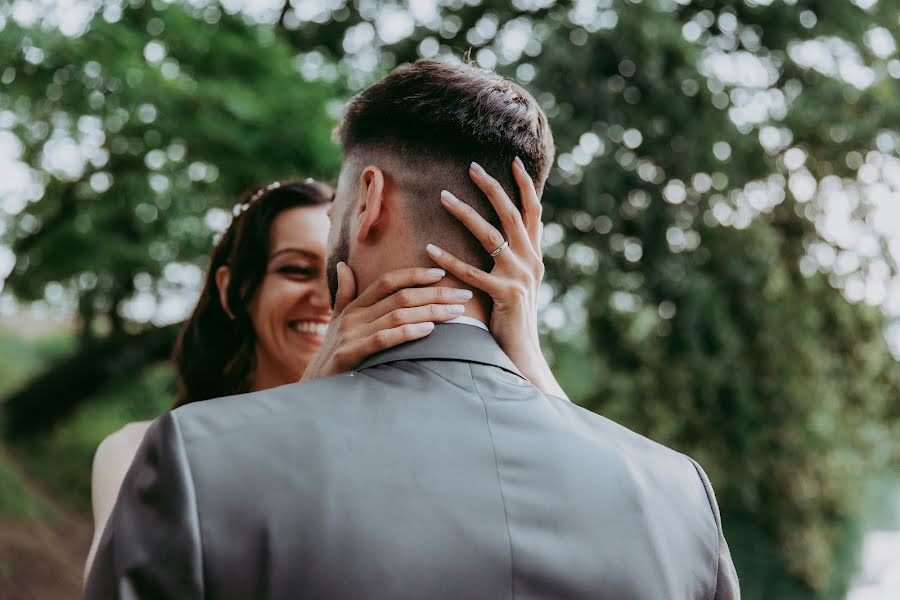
435, 470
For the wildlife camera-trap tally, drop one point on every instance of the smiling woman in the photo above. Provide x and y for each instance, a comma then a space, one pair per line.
292, 308
265, 274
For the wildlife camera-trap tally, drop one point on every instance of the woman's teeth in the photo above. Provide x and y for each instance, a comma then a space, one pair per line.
309, 327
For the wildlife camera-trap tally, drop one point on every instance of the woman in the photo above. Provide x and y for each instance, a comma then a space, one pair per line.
255, 329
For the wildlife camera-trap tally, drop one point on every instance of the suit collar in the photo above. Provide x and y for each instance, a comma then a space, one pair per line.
448, 341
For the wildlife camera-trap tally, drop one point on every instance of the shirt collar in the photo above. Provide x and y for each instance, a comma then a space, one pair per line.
464, 320
454, 341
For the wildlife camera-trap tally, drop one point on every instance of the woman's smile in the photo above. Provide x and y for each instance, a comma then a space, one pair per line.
313, 331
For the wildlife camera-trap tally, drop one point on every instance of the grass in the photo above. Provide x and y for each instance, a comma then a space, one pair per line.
60, 460
17, 500
19, 360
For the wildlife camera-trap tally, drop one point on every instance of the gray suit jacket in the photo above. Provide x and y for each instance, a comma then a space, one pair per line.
435, 470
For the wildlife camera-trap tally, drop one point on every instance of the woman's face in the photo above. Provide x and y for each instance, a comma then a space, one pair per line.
292, 307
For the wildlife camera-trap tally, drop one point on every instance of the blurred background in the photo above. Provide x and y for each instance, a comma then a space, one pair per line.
722, 236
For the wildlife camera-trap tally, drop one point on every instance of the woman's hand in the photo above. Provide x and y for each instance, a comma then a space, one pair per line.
518, 269
391, 311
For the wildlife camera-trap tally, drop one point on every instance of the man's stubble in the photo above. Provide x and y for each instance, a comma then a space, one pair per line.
340, 253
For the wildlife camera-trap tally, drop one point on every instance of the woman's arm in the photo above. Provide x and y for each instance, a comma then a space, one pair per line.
111, 462
514, 281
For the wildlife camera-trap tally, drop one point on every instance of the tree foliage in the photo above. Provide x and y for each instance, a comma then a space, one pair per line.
695, 139
135, 136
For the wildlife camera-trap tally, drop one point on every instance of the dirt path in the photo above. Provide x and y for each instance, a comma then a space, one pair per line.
42, 559
39, 561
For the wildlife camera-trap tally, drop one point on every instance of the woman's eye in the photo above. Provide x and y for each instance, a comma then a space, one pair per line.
295, 270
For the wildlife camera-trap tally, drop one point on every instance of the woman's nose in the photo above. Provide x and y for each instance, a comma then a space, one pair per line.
321, 297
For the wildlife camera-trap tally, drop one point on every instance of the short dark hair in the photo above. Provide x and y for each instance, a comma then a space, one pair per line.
215, 354
428, 120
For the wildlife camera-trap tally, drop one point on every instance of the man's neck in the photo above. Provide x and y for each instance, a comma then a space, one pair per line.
479, 307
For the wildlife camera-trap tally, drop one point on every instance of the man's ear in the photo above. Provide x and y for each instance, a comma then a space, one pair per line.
370, 209
223, 278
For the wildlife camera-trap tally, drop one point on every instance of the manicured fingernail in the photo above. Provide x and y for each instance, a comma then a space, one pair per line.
435, 273
433, 250
449, 197
423, 327
455, 309
520, 163
462, 294
477, 168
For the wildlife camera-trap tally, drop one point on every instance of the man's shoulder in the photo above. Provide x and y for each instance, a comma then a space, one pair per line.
216, 417
641, 455
587, 420
668, 483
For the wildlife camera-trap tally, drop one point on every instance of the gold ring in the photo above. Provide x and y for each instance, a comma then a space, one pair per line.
500, 249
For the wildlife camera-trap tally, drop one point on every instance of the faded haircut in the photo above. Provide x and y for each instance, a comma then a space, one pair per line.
426, 122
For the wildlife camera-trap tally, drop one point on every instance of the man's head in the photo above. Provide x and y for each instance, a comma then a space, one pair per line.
413, 134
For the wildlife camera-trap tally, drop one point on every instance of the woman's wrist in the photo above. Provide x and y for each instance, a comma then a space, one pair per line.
544, 380
536, 369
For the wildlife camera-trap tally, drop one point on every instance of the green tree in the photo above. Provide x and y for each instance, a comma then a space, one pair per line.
695, 139
141, 133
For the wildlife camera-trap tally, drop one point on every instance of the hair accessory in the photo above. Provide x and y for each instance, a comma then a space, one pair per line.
256, 196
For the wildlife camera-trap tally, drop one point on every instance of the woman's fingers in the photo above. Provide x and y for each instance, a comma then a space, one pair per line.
393, 281
346, 287
506, 210
464, 271
388, 338
484, 232
402, 316
414, 297
351, 353
531, 204
429, 313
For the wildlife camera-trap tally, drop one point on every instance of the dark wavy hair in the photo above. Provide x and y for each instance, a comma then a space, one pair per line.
215, 352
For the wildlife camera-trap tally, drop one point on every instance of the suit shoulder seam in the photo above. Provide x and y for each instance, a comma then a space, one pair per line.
487, 420
193, 492
716, 520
